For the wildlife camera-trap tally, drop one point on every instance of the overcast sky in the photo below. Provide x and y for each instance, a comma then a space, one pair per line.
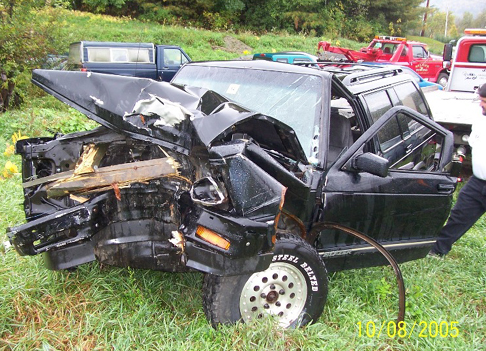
458, 7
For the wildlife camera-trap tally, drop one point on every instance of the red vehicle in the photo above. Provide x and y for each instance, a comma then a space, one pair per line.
457, 106
394, 50
468, 66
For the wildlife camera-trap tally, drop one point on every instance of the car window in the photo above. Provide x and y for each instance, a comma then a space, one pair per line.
389, 48
99, 55
174, 57
375, 45
140, 55
419, 52
292, 98
378, 103
477, 53
409, 96
405, 94
119, 55
405, 142
389, 135
409, 145
300, 60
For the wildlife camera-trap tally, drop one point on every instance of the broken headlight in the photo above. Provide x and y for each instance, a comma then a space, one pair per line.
206, 191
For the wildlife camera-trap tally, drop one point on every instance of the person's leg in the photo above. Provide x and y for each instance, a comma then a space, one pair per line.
469, 207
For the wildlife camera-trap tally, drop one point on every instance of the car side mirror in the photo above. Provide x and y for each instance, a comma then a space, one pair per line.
447, 54
371, 163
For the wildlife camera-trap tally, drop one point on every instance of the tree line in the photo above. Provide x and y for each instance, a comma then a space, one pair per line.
357, 20
353, 19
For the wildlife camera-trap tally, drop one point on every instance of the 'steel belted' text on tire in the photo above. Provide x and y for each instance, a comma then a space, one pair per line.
293, 289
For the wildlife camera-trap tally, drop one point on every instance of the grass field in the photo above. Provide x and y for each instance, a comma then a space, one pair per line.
104, 308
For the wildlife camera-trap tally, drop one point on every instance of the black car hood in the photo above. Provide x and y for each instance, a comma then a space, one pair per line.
172, 116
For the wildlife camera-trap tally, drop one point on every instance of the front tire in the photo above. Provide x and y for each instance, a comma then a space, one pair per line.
293, 289
442, 79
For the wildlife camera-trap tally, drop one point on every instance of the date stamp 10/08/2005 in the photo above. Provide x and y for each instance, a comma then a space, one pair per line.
422, 329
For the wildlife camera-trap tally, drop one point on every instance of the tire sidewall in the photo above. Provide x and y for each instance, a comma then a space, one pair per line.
294, 251
222, 294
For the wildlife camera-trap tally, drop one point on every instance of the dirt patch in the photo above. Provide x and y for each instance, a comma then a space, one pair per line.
233, 45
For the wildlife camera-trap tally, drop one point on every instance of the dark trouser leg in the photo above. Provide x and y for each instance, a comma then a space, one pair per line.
469, 207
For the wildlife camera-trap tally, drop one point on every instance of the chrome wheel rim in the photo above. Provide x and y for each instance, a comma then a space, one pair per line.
279, 291
443, 81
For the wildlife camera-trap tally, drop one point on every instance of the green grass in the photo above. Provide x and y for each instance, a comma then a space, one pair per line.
100, 308
106, 308
199, 44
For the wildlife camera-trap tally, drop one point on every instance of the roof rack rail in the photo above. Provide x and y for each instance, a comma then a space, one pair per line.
371, 75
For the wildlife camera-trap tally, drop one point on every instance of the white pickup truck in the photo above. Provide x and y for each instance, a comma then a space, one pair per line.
455, 111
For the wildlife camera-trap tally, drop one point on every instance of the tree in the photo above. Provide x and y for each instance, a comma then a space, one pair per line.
401, 14
103, 6
465, 22
28, 34
480, 20
437, 25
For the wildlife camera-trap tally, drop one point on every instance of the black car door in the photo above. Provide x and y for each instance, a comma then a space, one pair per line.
406, 207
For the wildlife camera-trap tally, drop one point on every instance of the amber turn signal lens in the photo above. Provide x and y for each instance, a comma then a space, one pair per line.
213, 238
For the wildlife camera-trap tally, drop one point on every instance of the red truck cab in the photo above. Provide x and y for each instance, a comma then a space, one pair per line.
408, 53
468, 63
457, 106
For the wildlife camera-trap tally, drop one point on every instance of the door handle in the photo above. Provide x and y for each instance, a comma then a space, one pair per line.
446, 187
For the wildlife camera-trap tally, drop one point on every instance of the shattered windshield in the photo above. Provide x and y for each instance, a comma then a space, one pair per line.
292, 98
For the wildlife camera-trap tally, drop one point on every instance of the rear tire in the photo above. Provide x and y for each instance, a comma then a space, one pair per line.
293, 289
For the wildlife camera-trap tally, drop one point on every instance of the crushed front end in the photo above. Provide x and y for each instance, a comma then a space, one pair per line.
171, 180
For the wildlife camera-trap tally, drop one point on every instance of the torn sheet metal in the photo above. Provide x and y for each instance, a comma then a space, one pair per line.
167, 112
110, 100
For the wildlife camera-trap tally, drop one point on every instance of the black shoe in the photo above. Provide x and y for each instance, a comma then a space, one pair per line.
434, 254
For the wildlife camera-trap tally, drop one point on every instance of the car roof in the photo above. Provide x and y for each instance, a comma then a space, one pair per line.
112, 44
262, 65
356, 80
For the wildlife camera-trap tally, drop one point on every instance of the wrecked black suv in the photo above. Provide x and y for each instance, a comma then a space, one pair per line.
250, 172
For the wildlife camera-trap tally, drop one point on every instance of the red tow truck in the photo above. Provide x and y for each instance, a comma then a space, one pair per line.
393, 50
468, 66
457, 106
